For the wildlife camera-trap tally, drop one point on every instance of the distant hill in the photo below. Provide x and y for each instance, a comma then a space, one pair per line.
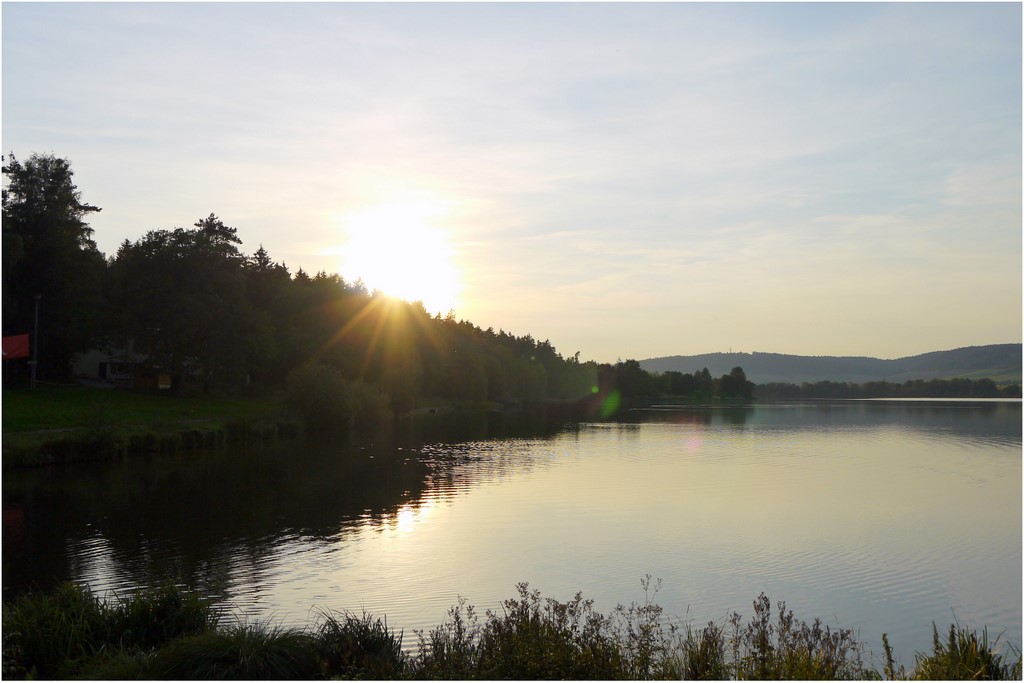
999, 362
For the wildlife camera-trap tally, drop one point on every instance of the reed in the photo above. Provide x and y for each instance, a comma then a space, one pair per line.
350, 646
50, 635
238, 652
57, 634
966, 656
149, 618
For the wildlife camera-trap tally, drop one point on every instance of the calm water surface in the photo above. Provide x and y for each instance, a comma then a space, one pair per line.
880, 516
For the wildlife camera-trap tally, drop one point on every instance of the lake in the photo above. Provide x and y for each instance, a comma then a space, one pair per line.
882, 516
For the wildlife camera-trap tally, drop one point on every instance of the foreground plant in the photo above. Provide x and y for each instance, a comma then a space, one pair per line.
351, 646
792, 649
238, 652
57, 634
170, 633
548, 639
529, 639
966, 657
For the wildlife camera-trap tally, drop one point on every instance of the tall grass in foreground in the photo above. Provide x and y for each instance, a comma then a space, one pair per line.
963, 656
56, 634
169, 633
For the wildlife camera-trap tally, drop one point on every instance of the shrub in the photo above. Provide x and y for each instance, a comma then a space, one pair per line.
531, 639
318, 394
324, 398
649, 649
549, 640
371, 407
449, 651
791, 649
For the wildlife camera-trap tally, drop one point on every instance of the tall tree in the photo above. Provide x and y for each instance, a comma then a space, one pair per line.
49, 253
182, 300
268, 287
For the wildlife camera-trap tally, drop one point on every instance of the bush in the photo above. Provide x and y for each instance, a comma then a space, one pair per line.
325, 399
792, 649
318, 394
531, 639
371, 407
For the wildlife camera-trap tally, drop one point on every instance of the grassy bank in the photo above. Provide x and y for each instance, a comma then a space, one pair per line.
168, 633
58, 425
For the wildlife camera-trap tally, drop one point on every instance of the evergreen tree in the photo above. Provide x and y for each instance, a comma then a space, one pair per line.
50, 259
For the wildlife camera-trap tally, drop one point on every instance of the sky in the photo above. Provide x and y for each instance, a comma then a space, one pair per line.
625, 180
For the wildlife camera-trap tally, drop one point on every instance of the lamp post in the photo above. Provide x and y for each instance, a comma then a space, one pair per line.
35, 346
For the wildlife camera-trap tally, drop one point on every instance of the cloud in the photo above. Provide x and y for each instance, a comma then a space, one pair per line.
995, 185
677, 160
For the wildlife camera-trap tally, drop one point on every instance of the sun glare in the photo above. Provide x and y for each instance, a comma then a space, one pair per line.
397, 249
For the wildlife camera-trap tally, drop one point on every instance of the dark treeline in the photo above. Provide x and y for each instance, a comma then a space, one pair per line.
194, 306
934, 388
189, 303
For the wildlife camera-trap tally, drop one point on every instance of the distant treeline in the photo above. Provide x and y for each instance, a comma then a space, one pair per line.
933, 388
629, 380
1000, 362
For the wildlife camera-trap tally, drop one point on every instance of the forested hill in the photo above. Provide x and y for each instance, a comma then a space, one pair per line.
999, 362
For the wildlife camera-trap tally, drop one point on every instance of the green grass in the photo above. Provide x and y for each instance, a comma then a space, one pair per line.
170, 633
59, 425
83, 407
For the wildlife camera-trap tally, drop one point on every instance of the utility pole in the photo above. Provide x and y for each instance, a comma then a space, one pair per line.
35, 346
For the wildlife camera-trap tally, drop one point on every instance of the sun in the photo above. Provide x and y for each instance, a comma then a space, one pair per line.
399, 250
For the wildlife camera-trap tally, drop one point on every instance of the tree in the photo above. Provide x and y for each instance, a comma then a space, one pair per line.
182, 299
268, 289
735, 385
703, 384
49, 251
